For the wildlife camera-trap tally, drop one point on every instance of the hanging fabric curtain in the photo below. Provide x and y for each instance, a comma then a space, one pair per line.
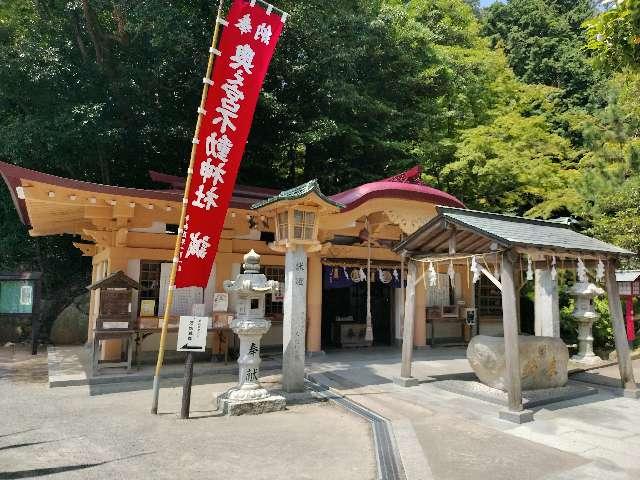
335, 277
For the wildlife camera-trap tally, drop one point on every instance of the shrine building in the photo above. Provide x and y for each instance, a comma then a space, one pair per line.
134, 231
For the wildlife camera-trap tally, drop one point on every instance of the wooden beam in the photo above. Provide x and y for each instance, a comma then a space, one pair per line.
452, 240
437, 241
510, 326
473, 238
620, 333
490, 276
476, 246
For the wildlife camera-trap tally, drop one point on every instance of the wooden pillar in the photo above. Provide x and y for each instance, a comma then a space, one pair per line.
93, 303
407, 334
420, 314
510, 295
620, 334
112, 349
314, 305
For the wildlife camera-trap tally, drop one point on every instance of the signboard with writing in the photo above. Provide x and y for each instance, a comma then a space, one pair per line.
192, 334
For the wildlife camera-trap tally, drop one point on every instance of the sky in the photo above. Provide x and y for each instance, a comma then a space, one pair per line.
484, 3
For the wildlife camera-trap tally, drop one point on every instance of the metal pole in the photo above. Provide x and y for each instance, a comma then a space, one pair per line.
176, 251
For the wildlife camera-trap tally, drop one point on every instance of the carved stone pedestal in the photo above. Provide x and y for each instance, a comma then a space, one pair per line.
231, 407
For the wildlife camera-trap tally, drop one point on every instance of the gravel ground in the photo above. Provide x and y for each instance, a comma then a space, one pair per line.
75, 433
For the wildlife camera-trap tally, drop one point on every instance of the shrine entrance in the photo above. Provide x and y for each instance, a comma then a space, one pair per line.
344, 315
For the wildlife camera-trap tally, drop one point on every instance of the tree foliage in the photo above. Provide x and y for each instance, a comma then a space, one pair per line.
544, 41
614, 35
528, 106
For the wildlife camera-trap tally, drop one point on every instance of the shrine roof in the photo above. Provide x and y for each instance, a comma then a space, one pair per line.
17, 177
406, 185
117, 279
298, 192
507, 231
627, 275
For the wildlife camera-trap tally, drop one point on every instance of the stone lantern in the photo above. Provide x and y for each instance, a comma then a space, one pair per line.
585, 315
250, 325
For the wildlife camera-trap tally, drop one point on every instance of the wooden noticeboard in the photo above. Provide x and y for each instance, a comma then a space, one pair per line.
114, 303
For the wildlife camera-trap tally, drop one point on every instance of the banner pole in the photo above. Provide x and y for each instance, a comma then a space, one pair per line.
176, 251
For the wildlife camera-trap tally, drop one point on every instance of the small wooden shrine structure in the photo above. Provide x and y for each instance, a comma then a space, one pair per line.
507, 249
115, 319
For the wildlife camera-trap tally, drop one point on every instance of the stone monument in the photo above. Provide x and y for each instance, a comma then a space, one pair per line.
585, 315
249, 397
543, 361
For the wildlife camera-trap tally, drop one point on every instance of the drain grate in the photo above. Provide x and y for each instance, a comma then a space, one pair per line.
387, 458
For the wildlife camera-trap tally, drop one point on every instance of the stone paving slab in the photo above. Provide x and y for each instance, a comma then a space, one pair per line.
70, 366
530, 398
64, 433
592, 437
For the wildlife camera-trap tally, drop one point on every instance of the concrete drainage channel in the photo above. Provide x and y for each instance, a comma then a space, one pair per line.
387, 457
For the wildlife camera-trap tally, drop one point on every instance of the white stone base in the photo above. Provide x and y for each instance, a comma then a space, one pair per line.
586, 359
273, 403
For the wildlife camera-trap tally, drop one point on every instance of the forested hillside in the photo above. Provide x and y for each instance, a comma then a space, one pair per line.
529, 106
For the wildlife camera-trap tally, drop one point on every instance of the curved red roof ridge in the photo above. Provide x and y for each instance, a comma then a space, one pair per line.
406, 185
243, 196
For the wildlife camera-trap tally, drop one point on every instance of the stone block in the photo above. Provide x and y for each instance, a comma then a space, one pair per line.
273, 403
406, 381
543, 361
523, 416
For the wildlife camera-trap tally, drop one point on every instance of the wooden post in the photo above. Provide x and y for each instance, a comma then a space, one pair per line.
510, 293
620, 334
403, 293
405, 378
176, 250
36, 316
186, 387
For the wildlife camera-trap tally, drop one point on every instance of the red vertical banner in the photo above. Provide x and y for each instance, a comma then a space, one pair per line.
245, 49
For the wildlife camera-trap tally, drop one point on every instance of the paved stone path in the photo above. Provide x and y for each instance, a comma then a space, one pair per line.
103, 432
595, 437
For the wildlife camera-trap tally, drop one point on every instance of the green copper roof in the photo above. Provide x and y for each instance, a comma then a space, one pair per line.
297, 192
508, 231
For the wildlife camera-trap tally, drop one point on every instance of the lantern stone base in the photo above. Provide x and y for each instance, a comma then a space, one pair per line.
591, 359
232, 407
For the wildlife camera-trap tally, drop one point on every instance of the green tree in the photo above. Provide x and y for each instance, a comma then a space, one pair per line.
543, 41
516, 163
613, 138
614, 35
